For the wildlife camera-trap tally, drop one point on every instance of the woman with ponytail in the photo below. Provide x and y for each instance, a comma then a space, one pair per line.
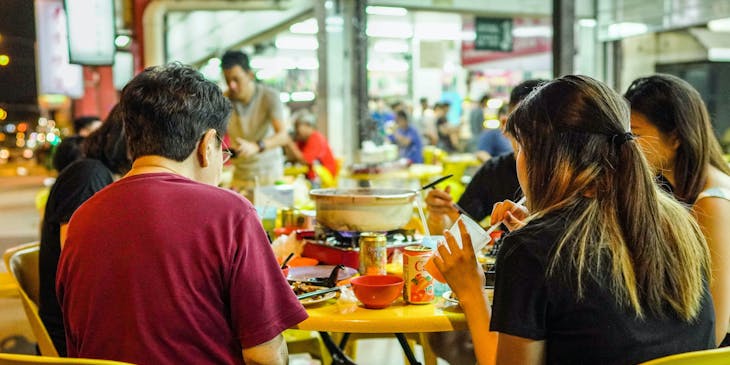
607, 268
674, 130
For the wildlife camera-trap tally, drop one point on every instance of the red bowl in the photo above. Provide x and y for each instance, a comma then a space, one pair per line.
377, 291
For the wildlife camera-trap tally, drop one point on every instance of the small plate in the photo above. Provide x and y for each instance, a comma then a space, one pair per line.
323, 298
304, 273
449, 297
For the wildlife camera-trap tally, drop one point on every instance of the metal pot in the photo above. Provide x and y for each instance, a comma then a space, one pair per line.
363, 210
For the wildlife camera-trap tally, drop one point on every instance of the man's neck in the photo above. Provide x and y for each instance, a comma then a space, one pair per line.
157, 164
249, 94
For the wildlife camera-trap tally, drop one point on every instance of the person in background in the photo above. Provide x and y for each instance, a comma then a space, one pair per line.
595, 264
476, 121
447, 136
69, 150
310, 146
496, 180
407, 138
257, 130
104, 159
425, 122
674, 130
493, 142
162, 266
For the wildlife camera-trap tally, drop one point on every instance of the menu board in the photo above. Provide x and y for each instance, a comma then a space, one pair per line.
493, 34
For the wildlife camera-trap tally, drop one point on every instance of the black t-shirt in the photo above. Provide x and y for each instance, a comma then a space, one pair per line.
494, 182
77, 183
595, 330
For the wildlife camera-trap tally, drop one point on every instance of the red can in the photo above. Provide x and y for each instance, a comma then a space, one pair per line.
417, 281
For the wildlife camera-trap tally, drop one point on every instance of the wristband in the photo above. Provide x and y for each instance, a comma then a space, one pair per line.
261, 145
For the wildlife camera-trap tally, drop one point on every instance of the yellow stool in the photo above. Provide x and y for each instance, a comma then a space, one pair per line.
298, 341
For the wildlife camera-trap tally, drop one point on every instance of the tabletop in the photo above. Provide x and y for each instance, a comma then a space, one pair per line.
397, 318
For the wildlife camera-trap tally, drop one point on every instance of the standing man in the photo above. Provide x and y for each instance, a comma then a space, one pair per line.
162, 266
257, 130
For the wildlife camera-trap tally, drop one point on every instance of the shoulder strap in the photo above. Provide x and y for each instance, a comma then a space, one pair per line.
715, 192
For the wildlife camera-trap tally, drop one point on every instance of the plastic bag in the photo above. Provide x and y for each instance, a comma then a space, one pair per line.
347, 302
286, 244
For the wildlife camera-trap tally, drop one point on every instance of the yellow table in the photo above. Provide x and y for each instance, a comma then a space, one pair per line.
397, 319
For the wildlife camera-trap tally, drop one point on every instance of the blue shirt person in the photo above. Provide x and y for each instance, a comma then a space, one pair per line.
408, 139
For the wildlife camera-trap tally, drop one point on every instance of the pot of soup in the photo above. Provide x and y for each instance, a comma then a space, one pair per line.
363, 209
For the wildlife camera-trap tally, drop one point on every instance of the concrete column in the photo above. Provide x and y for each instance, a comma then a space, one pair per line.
563, 37
342, 87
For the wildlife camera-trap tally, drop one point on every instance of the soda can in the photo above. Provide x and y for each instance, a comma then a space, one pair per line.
419, 286
373, 254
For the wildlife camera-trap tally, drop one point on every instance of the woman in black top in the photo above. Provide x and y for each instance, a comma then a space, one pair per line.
607, 269
105, 153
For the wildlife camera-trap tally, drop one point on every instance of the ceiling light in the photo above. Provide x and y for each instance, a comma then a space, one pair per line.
389, 30
302, 96
122, 41
623, 30
537, 31
588, 23
296, 42
719, 54
719, 25
390, 46
308, 26
386, 10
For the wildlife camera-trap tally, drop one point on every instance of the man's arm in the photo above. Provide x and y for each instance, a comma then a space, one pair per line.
272, 352
280, 137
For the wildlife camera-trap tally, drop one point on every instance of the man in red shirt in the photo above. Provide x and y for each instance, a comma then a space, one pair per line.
163, 267
311, 145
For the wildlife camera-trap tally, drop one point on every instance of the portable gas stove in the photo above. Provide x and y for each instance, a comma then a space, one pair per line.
342, 248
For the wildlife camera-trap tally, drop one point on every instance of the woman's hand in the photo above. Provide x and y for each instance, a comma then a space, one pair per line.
459, 265
441, 211
510, 213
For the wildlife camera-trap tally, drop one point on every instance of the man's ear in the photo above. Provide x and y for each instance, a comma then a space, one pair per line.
205, 147
674, 141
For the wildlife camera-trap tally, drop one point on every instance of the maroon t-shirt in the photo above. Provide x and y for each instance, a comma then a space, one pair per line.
159, 269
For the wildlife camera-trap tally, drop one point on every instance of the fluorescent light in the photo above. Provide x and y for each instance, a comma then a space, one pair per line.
495, 103
719, 54
302, 96
468, 35
623, 30
386, 10
719, 25
537, 31
390, 46
307, 63
268, 73
388, 65
284, 97
389, 30
308, 26
122, 40
272, 63
296, 42
438, 31
588, 23
492, 123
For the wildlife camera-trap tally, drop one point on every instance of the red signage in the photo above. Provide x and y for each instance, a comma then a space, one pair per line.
522, 45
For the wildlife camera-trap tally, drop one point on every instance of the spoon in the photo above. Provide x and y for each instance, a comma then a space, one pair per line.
286, 260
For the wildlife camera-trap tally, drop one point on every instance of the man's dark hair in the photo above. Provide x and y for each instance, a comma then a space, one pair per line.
235, 58
83, 122
483, 101
167, 109
523, 89
402, 114
108, 145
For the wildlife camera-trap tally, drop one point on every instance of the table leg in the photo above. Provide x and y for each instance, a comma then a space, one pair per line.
338, 357
343, 340
406, 349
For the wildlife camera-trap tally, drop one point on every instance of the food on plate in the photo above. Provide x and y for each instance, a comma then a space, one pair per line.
300, 288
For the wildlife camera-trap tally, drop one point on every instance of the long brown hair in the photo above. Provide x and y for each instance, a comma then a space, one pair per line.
581, 162
674, 106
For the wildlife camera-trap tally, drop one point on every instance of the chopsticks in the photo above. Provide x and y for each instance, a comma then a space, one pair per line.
494, 226
320, 292
435, 182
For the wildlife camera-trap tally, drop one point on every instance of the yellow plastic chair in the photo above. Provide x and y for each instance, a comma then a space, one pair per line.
298, 341
14, 359
719, 356
22, 262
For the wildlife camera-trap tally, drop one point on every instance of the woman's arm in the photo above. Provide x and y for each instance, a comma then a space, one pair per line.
711, 214
520, 351
461, 270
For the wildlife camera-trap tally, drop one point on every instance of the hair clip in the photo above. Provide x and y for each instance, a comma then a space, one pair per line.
621, 138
